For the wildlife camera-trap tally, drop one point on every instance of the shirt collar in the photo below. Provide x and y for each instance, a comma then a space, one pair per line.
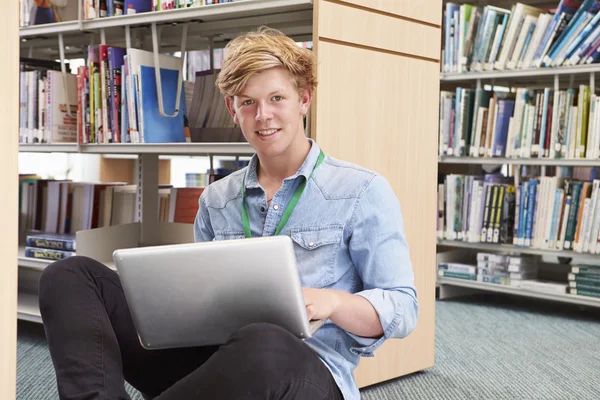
305, 169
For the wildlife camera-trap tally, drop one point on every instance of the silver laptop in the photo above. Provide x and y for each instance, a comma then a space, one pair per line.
198, 294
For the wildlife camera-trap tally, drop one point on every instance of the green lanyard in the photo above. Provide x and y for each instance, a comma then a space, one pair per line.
290, 208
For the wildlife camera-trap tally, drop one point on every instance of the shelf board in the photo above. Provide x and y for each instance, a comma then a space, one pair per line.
217, 12
49, 29
28, 308
508, 248
492, 287
519, 161
524, 73
241, 148
47, 148
30, 262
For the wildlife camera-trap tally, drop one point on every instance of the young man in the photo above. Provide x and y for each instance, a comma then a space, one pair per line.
348, 235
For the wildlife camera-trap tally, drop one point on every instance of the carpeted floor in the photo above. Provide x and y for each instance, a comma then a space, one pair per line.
487, 347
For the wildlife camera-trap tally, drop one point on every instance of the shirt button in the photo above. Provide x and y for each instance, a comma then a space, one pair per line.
276, 207
311, 244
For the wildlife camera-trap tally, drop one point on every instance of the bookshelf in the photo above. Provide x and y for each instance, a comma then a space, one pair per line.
371, 48
490, 75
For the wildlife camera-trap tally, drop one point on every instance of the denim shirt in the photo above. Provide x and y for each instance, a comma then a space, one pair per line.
348, 235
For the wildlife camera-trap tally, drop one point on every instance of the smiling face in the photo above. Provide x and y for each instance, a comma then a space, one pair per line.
270, 112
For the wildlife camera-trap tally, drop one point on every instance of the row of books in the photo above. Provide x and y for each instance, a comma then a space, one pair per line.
118, 98
522, 272
114, 99
551, 213
584, 280
47, 103
541, 123
494, 268
64, 206
495, 38
34, 12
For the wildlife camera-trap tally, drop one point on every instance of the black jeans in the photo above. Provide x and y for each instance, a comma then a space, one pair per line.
95, 347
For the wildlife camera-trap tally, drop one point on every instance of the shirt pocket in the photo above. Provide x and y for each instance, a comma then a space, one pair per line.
316, 250
222, 235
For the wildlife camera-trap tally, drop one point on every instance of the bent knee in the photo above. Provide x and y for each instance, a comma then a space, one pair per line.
66, 272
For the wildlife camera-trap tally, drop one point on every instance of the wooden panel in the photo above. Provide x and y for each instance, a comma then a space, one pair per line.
429, 11
9, 115
381, 111
122, 170
348, 24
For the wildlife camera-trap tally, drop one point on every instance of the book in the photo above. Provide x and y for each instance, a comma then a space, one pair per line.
48, 254
51, 241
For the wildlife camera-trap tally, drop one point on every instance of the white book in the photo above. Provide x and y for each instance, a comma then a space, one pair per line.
522, 36
546, 287
589, 245
596, 133
515, 123
585, 223
536, 38
558, 96
591, 126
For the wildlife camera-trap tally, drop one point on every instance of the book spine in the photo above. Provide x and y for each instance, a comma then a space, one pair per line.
47, 254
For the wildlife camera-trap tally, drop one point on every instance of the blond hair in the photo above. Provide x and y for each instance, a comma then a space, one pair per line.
264, 48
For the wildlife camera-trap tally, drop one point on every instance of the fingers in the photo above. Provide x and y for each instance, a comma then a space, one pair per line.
310, 311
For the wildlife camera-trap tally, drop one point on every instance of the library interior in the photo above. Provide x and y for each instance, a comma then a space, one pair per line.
451, 247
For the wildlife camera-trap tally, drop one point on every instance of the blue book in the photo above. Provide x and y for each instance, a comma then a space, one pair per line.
155, 127
137, 6
124, 119
555, 217
505, 112
522, 212
56, 241
530, 212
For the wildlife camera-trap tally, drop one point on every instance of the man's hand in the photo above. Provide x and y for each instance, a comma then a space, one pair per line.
353, 313
320, 303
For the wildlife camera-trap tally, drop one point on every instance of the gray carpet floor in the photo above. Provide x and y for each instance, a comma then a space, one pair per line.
487, 347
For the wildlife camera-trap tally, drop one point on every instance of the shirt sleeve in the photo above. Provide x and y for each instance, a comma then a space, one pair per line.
203, 231
380, 253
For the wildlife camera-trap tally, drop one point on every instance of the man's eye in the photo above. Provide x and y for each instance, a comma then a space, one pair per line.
277, 98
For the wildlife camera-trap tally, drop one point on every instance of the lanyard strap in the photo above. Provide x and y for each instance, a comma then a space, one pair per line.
289, 209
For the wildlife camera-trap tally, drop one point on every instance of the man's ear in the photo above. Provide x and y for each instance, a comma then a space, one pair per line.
305, 99
231, 108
